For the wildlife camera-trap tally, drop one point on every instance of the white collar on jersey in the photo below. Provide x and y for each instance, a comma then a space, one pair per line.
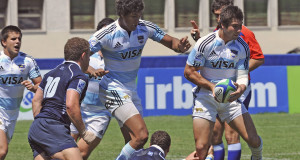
158, 147
72, 62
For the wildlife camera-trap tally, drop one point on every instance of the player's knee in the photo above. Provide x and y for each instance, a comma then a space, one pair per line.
232, 138
3, 152
85, 155
216, 138
254, 141
142, 137
202, 150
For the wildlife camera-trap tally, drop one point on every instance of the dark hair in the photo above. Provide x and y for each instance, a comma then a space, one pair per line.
8, 29
218, 4
162, 139
75, 47
104, 22
125, 7
230, 12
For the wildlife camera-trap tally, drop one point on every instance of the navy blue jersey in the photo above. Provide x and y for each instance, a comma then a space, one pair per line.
55, 84
151, 153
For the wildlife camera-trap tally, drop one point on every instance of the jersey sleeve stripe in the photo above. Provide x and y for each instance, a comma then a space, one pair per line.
204, 43
105, 32
150, 24
246, 47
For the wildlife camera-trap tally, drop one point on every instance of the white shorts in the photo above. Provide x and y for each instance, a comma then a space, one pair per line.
112, 99
95, 122
8, 127
245, 94
206, 107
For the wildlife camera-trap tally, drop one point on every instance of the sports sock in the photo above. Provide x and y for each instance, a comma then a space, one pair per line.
127, 150
219, 152
234, 151
257, 152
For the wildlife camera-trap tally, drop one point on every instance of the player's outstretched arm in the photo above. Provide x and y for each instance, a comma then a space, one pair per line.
73, 110
37, 102
179, 46
195, 32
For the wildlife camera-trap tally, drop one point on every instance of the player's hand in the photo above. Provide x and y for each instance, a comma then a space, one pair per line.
28, 85
237, 94
88, 136
101, 72
91, 72
184, 44
195, 32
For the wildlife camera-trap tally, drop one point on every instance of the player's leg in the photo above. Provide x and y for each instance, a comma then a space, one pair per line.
98, 125
219, 151
233, 141
134, 123
42, 156
202, 133
137, 102
125, 134
86, 149
245, 127
68, 154
3, 144
231, 136
7, 129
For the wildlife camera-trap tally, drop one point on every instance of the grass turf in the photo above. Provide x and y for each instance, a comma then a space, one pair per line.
280, 133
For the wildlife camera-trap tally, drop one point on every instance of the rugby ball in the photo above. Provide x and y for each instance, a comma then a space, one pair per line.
223, 89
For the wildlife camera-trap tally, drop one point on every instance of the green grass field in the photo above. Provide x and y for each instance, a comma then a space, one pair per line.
280, 133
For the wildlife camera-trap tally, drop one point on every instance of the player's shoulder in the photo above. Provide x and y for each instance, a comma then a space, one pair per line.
147, 24
107, 30
240, 41
26, 57
206, 41
243, 45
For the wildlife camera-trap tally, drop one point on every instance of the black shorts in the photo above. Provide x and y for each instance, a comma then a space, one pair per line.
49, 136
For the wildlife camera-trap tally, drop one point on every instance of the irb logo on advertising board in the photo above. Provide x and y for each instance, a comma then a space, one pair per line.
165, 91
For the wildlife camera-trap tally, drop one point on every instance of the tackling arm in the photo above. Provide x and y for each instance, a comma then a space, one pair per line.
73, 110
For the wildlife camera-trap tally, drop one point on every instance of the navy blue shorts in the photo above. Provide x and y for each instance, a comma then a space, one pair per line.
49, 136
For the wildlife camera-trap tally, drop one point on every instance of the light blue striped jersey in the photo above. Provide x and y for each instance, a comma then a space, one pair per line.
91, 102
122, 53
12, 73
219, 60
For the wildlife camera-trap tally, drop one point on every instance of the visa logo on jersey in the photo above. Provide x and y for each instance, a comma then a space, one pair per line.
11, 80
222, 64
131, 54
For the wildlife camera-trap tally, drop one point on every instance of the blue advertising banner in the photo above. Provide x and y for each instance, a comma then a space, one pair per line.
165, 91
269, 90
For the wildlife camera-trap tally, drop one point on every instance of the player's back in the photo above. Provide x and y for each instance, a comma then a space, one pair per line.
151, 153
55, 85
